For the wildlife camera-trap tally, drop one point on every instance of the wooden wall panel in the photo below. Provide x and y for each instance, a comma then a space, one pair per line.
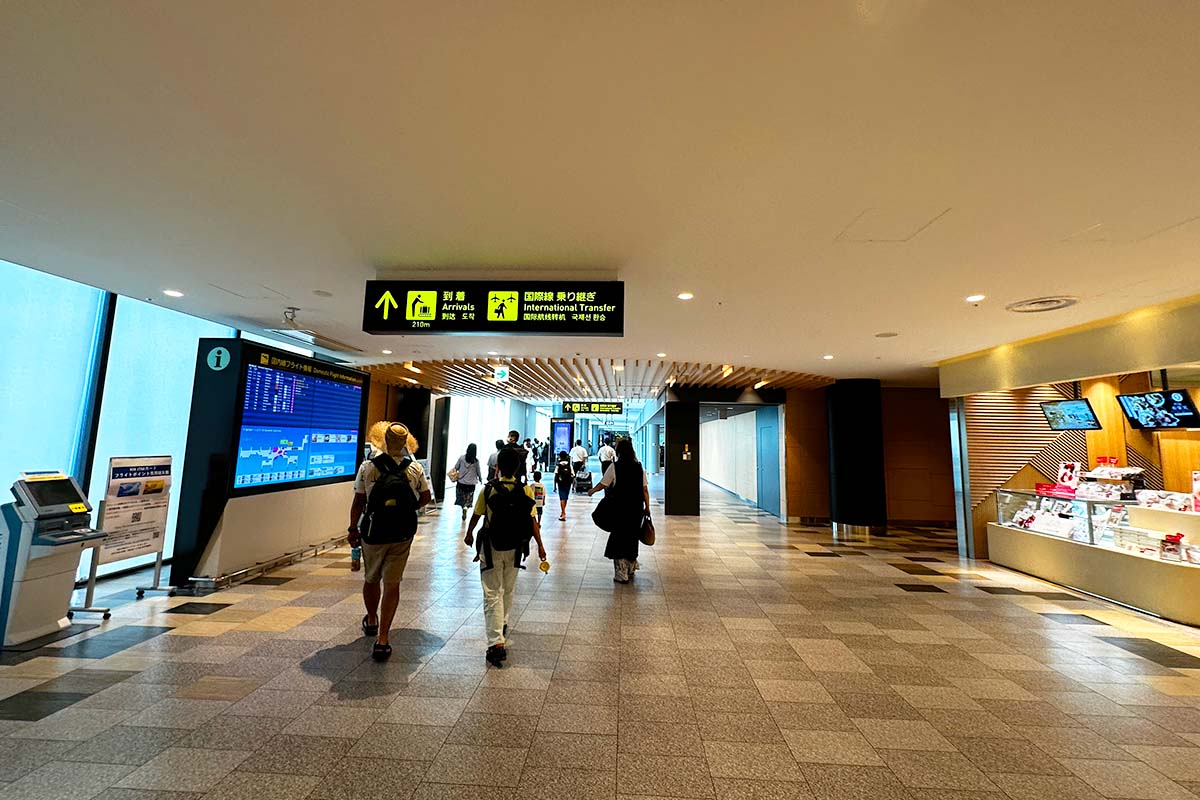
806, 432
1102, 393
1179, 452
916, 455
1005, 430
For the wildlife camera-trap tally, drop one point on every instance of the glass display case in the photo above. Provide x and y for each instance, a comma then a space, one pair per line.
1080, 520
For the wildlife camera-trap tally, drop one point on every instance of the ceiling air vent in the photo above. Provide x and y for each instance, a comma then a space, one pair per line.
1039, 305
311, 338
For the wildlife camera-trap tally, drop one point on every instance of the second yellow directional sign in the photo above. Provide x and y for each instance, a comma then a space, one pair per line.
559, 308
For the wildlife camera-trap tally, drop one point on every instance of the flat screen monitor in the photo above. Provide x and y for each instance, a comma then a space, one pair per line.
297, 426
1171, 409
55, 492
1070, 415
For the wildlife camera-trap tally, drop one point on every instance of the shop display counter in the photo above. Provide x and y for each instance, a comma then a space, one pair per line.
1125, 553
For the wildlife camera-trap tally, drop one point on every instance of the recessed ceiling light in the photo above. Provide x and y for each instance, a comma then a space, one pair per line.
493, 353
975, 298
410, 380
660, 355
685, 295
827, 357
386, 352
172, 293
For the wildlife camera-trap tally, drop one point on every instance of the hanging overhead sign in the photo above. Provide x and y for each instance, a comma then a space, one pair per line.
523, 308
593, 407
500, 373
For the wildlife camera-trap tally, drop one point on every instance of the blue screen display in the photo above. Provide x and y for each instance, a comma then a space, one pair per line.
296, 428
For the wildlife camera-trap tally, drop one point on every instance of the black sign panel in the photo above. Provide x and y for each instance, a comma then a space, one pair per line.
593, 407
524, 308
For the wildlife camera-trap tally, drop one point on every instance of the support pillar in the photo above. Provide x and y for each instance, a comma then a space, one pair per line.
857, 489
682, 484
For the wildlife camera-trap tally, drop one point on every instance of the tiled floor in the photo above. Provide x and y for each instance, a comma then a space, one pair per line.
749, 660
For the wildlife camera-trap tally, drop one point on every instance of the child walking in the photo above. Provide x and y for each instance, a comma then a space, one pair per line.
509, 512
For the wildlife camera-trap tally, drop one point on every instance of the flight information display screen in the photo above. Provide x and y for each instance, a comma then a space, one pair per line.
297, 425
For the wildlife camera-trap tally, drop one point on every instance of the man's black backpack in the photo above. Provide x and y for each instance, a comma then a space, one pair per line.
510, 525
391, 514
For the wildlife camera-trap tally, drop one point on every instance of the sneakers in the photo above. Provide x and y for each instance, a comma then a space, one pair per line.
495, 656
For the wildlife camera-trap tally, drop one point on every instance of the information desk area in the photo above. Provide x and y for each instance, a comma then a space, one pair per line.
1121, 552
45, 531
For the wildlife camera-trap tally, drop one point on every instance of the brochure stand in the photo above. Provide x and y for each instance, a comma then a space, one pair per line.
157, 585
135, 514
90, 591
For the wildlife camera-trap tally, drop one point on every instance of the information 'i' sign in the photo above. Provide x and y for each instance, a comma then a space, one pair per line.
522, 308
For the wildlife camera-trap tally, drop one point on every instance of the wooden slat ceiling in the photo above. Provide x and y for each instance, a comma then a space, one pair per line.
581, 378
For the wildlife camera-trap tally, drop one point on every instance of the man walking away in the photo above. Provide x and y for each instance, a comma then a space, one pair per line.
510, 521
607, 456
514, 443
388, 491
579, 457
491, 463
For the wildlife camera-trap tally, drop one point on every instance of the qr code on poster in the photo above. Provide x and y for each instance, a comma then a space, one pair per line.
136, 517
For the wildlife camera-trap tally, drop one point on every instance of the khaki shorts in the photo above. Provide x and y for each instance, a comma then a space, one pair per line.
385, 561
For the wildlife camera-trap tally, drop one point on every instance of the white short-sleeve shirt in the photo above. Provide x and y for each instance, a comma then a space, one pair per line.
610, 477
368, 473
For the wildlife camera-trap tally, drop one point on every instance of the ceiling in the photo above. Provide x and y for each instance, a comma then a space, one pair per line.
581, 378
816, 172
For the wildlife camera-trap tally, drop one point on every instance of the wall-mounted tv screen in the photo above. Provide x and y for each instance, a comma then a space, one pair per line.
300, 422
1070, 415
1160, 410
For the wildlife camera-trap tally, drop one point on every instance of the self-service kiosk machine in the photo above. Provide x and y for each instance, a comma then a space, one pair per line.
45, 532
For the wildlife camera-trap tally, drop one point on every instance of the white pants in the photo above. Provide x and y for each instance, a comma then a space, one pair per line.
498, 585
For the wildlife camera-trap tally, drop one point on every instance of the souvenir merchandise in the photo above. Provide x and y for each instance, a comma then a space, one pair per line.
1173, 501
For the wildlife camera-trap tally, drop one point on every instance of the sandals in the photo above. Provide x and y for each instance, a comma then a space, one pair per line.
367, 628
381, 652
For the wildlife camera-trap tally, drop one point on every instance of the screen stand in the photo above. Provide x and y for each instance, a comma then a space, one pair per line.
157, 585
90, 592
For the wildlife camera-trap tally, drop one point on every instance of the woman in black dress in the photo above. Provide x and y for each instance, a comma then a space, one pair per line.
629, 494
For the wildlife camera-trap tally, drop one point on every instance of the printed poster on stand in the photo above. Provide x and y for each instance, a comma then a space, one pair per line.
135, 507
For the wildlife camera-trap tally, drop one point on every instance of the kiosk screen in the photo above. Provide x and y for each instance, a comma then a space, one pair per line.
56, 492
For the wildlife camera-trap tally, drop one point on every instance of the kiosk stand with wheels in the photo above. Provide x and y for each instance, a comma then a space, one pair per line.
45, 532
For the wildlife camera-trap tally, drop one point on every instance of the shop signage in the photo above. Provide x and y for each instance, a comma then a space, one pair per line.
523, 308
1068, 473
1054, 490
593, 407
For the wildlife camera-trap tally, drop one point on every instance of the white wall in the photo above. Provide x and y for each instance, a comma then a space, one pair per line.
729, 454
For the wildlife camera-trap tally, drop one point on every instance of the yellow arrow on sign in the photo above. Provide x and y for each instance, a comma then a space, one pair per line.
388, 302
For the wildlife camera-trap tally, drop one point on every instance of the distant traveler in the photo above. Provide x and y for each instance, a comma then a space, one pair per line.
466, 477
607, 456
579, 457
530, 464
539, 493
491, 462
514, 443
375, 437
629, 492
564, 479
388, 491
510, 521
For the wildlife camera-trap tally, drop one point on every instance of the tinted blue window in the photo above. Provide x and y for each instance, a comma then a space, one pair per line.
49, 337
